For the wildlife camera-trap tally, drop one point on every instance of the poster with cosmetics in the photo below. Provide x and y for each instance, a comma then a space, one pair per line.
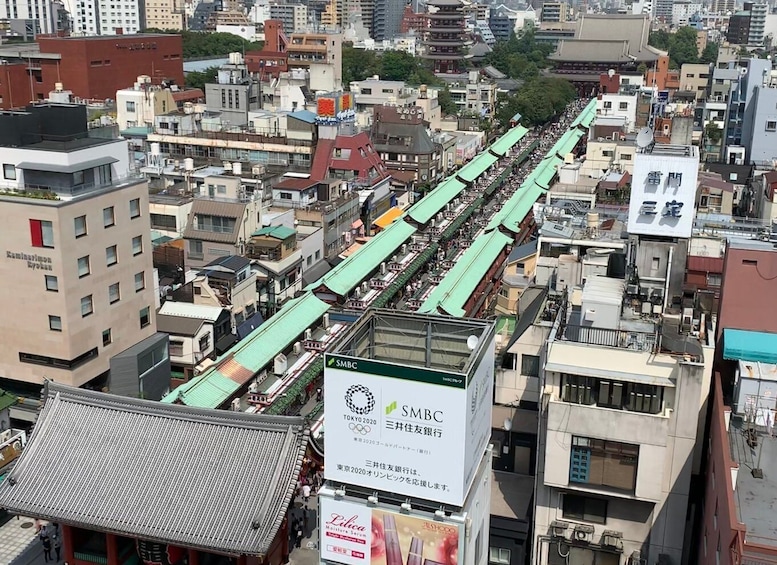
354, 534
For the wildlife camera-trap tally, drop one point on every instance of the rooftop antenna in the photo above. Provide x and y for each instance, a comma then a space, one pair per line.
645, 138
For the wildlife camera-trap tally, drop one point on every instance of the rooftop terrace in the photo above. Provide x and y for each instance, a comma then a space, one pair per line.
755, 498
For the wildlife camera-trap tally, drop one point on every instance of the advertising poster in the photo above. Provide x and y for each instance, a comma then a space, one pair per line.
389, 427
391, 434
354, 534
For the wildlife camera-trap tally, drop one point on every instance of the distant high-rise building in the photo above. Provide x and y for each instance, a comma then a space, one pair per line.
166, 15
554, 12
93, 17
42, 12
387, 18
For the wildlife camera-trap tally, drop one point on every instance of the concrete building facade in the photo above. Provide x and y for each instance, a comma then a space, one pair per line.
77, 259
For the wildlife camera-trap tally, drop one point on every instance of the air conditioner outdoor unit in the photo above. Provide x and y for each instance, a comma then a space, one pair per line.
612, 539
583, 533
558, 529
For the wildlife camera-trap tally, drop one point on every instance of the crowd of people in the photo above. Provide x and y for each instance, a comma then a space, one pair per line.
50, 539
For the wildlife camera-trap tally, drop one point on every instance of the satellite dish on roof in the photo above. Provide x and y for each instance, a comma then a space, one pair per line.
644, 137
472, 342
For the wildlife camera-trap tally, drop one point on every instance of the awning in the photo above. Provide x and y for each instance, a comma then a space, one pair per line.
67, 169
609, 374
388, 218
225, 342
743, 345
249, 325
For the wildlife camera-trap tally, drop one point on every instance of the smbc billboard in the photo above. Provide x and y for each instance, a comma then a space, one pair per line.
354, 534
407, 430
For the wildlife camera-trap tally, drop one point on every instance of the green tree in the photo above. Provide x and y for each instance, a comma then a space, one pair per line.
682, 48
537, 101
200, 45
520, 57
713, 133
198, 79
660, 39
710, 53
397, 65
358, 64
447, 105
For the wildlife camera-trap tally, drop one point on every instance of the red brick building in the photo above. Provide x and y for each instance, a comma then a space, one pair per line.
91, 67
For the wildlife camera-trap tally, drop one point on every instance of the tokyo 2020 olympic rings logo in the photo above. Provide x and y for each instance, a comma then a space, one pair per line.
361, 429
359, 400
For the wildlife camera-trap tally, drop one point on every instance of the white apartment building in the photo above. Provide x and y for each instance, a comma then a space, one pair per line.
43, 11
140, 104
618, 106
77, 258
106, 17
621, 427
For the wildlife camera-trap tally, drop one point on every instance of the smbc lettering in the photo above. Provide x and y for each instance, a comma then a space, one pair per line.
423, 414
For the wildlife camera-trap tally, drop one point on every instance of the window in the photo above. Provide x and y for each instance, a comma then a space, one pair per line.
111, 256
130, 107
176, 348
51, 283
55, 323
41, 233
606, 393
87, 307
603, 463
607, 105
585, 508
78, 178
140, 281
713, 280
530, 365
134, 205
499, 555
608, 153
195, 247
107, 338
204, 342
83, 266
151, 359
623, 106
79, 225
163, 222
137, 245
771, 125
144, 316
578, 390
9, 172
109, 218
285, 195
113, 293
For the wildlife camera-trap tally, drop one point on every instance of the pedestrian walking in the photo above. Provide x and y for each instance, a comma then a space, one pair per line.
305, 513
300, 534
58, 547
46, 541
306, 493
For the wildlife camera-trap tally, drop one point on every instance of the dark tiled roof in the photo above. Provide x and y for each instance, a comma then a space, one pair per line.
523, 251
230, 263
292, 183
177, 325
214, 480
214, 208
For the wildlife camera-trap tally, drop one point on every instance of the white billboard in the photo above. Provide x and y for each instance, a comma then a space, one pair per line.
663, 194
407, 430
355, 534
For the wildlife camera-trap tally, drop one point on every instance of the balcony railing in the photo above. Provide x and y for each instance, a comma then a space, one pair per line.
606, 337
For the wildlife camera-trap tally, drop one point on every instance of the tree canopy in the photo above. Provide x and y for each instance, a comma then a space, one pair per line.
537, 101
198, 79
520, 58
200, 44
359, 64
682, 48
